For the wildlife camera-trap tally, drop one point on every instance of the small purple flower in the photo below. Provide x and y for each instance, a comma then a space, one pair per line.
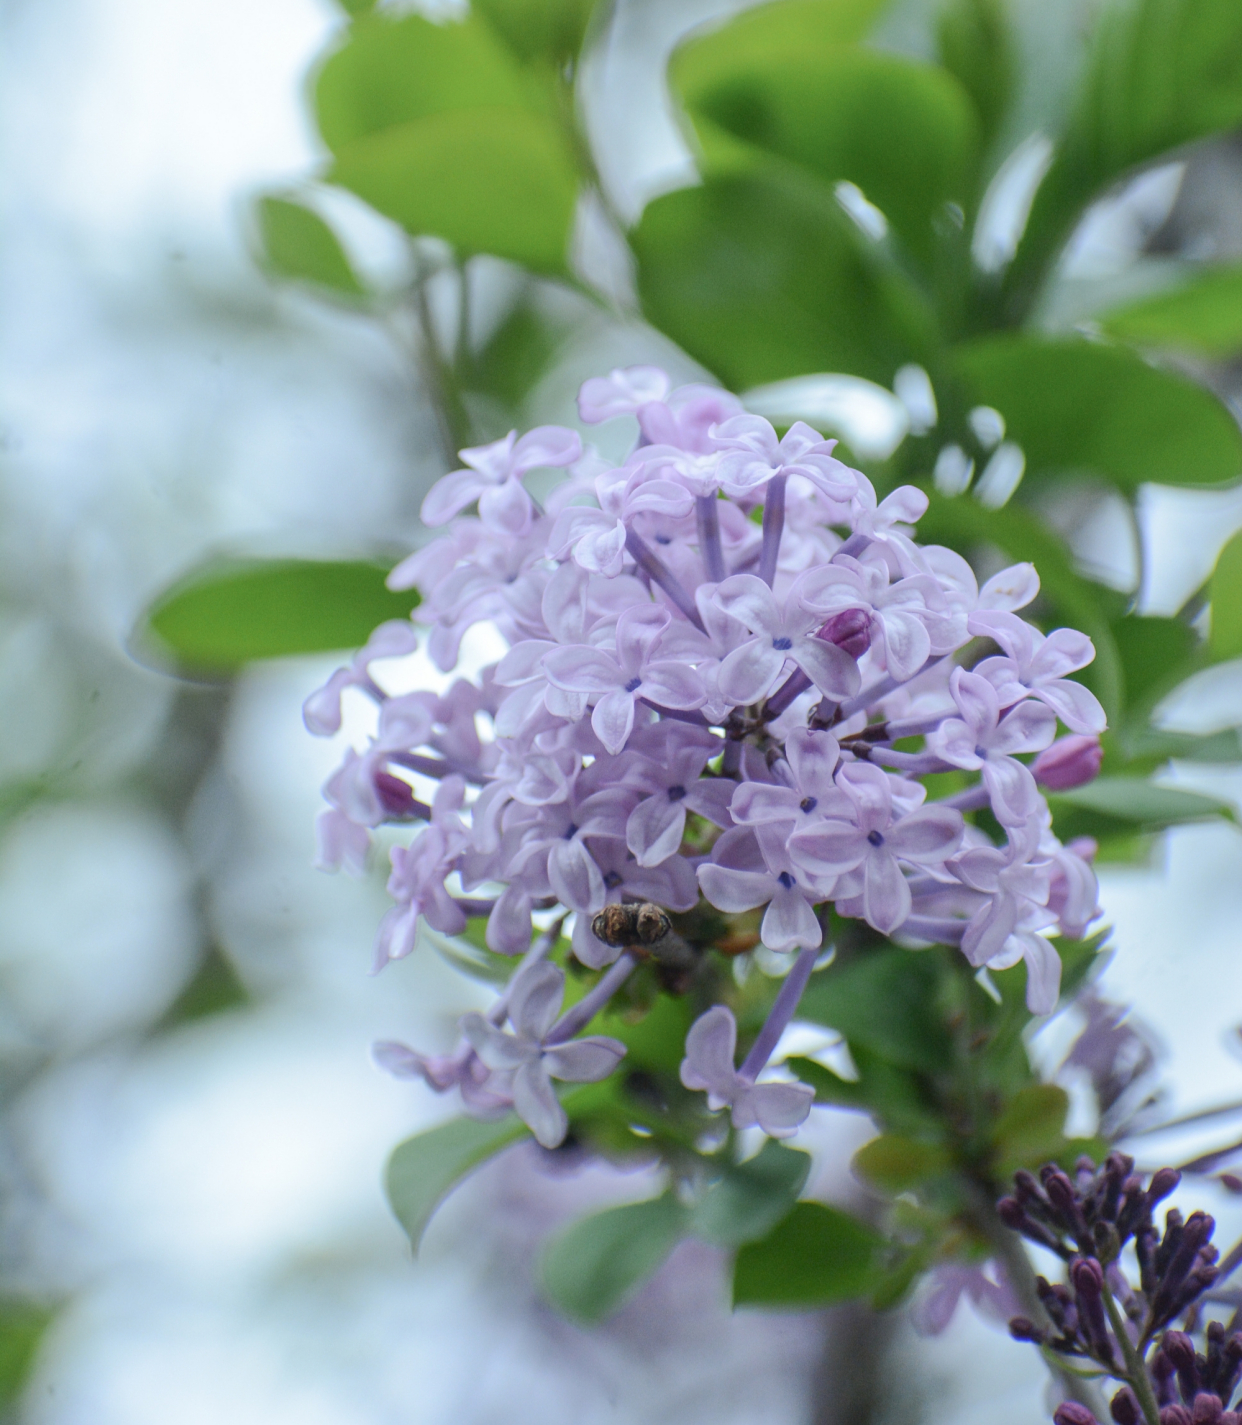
745, 873
779, 1109
670, 772
1070, 762
1036, 667
622, 392
494, 478
948, 1282
781, 633
870, 843
534, 1003
982, 739
321, 712
464, 1071
754, 455
809, 794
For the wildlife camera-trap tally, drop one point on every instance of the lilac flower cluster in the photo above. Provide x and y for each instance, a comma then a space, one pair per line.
730, 664
1100, 1317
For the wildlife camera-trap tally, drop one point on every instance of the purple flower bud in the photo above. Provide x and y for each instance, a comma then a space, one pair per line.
850, 630
1181, 1351
1125, 1408
1070, 762
1163, 1182
395, 795
1088, 1278
1071, 1413
1010, 1212
1021, 1328
1207, 1410
1175, 1415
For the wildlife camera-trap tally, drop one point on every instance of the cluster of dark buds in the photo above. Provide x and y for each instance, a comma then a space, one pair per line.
1101, 1317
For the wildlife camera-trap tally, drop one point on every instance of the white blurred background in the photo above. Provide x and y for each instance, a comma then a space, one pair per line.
196, 1195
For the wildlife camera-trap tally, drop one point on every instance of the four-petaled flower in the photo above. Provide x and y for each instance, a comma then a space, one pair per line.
1036, 667
494, 478
534, 1004
778, 1108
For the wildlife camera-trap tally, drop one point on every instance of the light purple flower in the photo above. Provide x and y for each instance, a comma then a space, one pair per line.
779, 1109
321, 712
982, 739
809, 795
494, 478
535, 998
1036, 667
670, 772
872, 843
482, 1095
753, 455
946, 1284
621, 392
750, 868
617, 680
781, 633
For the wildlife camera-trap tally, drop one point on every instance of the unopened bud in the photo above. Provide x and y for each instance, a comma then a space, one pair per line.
1207, 1410
1163, 1182
850, 630
395, 796
1125, 1408
1070, 762
1175, 1415
1022, 1328
1071, 1413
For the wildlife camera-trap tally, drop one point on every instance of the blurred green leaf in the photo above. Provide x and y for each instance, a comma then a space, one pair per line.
1203, 315
752, 1197
903, 132
1076, 405
893, 1096
22, 1326
214, 988
1162, 73
496, 180
538, 29
977, 47
593, 1267
816, 1256
1156, 654
423, 1169
761, 279
1225, 593
1156, 745
516, 355
897, 1164
393, 70
230, 612
1031, 1130
296, 243
1143, 803
885, 1000
657, 1040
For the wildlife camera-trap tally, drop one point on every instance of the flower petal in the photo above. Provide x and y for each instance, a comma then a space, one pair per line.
535, 996
655, 828
584, 1061
749, 600
497, 1049
748, 673
886, 896
613, 719
710, 1046
789, 923
830, 668
1077, 707
537, 1105
734, 891
451, 494
779, 1109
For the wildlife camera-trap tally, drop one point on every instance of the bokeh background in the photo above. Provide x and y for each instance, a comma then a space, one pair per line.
192, 1134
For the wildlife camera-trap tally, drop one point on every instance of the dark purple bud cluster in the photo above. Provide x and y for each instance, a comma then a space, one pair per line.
1087, 1219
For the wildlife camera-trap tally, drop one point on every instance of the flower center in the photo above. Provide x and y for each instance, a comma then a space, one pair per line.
570, 832
782, 645
981, 753
786, 880
633, 685
612, 880
875, 838
808, 803
675, 794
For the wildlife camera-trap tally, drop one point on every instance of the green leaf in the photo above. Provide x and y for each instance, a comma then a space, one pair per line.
657, 1040
516, 355
752, 1197
1204, 314
215, 988
885, 1000
897, 1164
1143, 803
1076, 405
595, 1266
817, 1256
538, 29
297, 244
496, 180
1156, 654
22, 1326
1225, 593
391, 71
967, 526
1031, 1130
904, 132
760, 279
976, 46
230, 612
1162, 73
423, 1169
893, 1096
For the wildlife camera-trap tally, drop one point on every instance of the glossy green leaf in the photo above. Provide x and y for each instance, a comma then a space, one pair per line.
595, 1266
422, 1170
896, 1164
977, 47
885, 1000
1203, 315
1226, 598
903, 132
761, 279
752, 1197
394, 70
296, 243
231, 612
965, 525
817, 1256
496, 180
1162, 73
1144, 803
551, 30
1080, 406
1031, 1130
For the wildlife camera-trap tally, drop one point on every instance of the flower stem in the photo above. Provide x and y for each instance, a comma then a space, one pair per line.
581, 1014
1137, 1371
659, 573
706, 508
773, 528
783, 1009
